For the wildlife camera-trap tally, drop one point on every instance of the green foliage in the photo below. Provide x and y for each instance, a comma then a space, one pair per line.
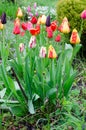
9, 8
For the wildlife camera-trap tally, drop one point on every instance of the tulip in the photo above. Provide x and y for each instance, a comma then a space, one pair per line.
36, 13
42, 19
24, 26
74, 39
21, 47
83, 14
22, 33
29, 25
17, 21
32, 43
39, 20
49, 32
1, 25
35, 5
58, 38
36, 30
51, 52
64, 27
34, 20
53, 25
30, 14
48, 21
43, 52
16, 29
19, 13
28, 9
3, 18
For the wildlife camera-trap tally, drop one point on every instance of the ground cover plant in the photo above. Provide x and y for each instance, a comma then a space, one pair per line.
39, 74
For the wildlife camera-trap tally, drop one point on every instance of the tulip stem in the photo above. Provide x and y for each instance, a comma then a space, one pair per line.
17, 51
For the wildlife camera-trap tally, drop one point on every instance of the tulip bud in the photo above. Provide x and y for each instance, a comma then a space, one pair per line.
48, 21
35, 5
53, 25
17, 21
28, 9
43, 19
51, 52
24, 26
42, 53
34, 20
74, 39
16, 30
29, 25
58, 38
83, 14
21, 47
3, 18
1, 25
32, 43
19, 13
49, 32
64, 27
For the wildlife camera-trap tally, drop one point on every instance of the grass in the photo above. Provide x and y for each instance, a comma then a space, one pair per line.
50, 3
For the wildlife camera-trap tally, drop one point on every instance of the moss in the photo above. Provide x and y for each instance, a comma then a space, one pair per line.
72, 10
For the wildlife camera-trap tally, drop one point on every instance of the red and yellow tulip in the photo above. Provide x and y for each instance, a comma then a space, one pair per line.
74, 39
64, 27
51, 52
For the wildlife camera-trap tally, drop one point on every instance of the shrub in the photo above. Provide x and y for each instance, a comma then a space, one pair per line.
72, 10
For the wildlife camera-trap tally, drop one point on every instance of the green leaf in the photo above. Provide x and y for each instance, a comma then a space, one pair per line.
31, 107
51, 92
76, 49
17, 110
68, 83
2, 93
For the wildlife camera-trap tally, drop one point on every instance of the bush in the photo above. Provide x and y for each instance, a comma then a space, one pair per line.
72, 10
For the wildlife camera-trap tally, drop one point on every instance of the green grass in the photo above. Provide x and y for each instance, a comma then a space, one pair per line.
50, 3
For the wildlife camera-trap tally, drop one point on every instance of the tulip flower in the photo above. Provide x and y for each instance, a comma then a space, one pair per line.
74, 39
28, 9
34, 20
19, 13
32, 43
43, 52
41, 19
49, 32
3, 18
35, 5
51, 52
17, 21
83, 14
53, 25
1, 25
64, 27
29, 25
35, 31
21, 47
24, 26
58, 38
36, 14
48, 21
30, 14
16, 30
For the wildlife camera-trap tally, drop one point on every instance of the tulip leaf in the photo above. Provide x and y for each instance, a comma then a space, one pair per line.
31, 107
